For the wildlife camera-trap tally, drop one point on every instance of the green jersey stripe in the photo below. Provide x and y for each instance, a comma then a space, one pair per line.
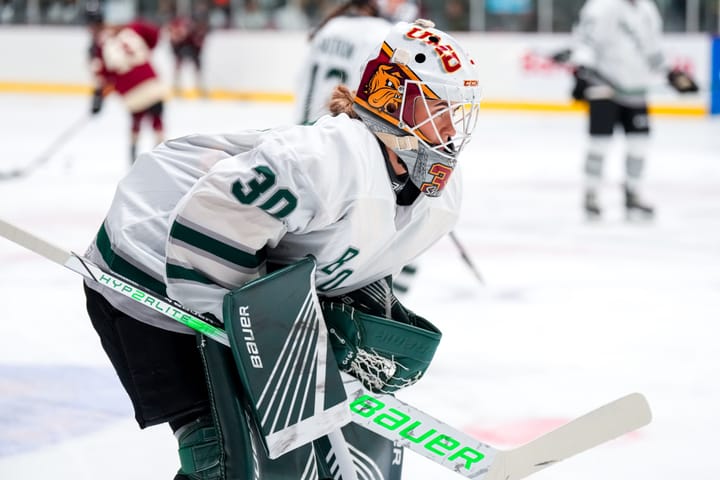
216, 247
178, 272
124, 268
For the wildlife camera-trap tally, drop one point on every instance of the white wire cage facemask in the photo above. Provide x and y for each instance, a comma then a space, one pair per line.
444, 122
436, 122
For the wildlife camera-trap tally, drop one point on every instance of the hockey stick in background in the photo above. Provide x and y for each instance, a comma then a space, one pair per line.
466, 257
61, 139
384, 414
562, 58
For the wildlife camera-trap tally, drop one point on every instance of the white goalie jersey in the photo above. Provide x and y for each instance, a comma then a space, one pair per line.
621, 40
201, 215
336, 56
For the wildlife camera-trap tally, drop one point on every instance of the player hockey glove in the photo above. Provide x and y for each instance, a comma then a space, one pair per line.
591, 85
97, 101
581, 84
377, 340
561, 57
681, 81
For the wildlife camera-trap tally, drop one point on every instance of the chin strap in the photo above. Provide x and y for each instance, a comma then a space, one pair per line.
395, 142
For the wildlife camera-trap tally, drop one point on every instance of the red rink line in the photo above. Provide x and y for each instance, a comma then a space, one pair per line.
523, 431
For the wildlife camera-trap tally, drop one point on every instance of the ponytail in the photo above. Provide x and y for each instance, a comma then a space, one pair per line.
341, 101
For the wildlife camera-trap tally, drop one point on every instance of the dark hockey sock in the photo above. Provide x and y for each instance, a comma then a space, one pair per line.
180, 422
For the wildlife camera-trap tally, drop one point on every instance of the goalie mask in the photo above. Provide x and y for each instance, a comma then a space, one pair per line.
420, 96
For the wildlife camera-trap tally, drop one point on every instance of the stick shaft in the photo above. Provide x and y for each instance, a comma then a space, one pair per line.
466, 258
43, 157
34, 243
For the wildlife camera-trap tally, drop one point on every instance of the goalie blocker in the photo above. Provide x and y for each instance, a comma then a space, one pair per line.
280, 388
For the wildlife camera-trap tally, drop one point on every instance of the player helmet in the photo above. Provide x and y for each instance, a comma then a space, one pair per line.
94, 14
397, 10
419, 65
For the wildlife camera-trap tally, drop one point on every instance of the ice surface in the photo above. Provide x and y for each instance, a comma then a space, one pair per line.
573, 314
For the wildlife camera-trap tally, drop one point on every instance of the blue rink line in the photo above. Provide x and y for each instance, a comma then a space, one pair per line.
45, 404
715, 77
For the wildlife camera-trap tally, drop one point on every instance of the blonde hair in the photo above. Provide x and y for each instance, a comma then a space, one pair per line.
341, 101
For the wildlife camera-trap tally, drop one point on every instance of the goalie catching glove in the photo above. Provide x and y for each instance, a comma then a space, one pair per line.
681, 81
377, 340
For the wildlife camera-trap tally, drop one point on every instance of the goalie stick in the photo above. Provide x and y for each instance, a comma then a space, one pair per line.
385, 414
563, 58
466, 258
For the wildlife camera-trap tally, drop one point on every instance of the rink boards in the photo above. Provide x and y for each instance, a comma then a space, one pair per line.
263, 65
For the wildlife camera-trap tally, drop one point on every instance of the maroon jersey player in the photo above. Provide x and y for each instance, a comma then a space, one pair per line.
121, 62
187, 37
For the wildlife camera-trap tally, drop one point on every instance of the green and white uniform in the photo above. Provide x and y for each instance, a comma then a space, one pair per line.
336, 55
621, 40
203, 214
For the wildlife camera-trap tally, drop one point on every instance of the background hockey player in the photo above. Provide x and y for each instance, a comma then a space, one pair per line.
339, 47
363, 191
618, 57
187, 38
121, 61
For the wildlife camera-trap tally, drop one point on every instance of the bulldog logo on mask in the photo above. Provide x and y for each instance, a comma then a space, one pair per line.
383, 89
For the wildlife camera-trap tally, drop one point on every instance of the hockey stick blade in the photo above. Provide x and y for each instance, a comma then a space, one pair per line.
606, 423
384, 414
63, 138
413, 429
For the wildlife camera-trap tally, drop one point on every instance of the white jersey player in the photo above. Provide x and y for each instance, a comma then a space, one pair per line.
620, 40
363, 192
339, 48
618, 57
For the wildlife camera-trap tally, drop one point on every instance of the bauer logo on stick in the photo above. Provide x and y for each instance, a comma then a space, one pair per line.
412, 430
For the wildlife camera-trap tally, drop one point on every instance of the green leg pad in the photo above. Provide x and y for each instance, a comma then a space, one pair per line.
241, 454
